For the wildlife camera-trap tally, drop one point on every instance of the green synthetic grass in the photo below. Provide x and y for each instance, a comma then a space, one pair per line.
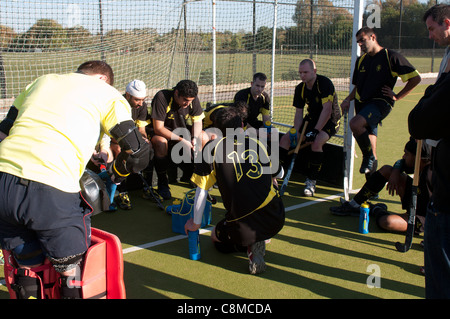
315, 256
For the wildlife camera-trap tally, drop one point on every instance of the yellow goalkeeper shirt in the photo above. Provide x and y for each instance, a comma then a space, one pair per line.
59, 123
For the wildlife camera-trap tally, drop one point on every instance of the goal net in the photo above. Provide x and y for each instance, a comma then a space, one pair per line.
219, 44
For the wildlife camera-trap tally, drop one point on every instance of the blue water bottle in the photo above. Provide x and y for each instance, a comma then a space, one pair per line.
194, 245
364, 218
293, 137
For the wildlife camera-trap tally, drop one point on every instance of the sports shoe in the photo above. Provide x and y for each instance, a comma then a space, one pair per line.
310, 187
378, 206
164, 191
112, 207
378, 210
367, 164
255, 255
124, 201
150, 194
346, 209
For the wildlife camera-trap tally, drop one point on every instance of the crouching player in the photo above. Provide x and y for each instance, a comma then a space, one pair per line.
241, 167
43, 216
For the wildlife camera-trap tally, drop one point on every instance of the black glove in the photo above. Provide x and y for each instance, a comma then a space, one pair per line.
311, 136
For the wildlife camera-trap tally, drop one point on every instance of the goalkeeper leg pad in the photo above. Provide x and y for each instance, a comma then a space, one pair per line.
101, 275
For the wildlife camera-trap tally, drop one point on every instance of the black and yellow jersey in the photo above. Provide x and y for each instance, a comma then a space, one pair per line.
210, 111
323, 91
372, 73
165, 109
241, 167
255, 107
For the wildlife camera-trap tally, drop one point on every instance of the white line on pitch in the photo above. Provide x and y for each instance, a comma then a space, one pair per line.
205, 230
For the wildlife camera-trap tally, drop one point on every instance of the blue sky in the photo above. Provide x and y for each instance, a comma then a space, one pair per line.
161, 15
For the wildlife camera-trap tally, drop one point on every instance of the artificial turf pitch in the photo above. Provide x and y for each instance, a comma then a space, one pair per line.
315, 256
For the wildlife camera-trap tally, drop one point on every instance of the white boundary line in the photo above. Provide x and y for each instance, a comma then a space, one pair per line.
206, 230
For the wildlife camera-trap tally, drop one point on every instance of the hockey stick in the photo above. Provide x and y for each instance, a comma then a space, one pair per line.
156, 197
413, 205
291, 165
301, 147
346, 182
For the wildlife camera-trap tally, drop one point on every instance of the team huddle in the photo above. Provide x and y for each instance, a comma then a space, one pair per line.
48, 143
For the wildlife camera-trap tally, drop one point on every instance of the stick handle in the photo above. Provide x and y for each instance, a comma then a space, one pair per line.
417, 163
297, 148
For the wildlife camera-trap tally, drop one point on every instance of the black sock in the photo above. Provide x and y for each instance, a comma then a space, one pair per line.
161, 164
364, 144
315, 165
372, 187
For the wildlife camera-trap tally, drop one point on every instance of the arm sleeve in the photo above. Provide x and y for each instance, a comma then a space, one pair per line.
199, 204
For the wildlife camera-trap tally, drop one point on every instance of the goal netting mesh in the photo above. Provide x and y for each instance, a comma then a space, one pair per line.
162, 42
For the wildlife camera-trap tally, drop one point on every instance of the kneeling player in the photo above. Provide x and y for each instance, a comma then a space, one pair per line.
241, 167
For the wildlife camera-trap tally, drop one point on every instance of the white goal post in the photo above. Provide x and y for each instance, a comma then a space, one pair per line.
219, 44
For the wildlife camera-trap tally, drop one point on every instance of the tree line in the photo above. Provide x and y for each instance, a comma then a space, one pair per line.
320, 25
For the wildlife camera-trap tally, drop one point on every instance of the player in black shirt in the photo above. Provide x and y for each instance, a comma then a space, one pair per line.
258, 101
374, 77
241, 167
178, 108
318, 93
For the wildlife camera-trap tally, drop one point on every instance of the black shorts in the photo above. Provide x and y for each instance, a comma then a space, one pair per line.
329, 127
374, 112
32, 211
260, 225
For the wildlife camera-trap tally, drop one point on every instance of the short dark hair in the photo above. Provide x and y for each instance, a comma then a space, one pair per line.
366, 30
228, 117
187, 88
261, 76
243, 109
438, 13
97, 67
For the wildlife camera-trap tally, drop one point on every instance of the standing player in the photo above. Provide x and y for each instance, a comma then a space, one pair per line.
316, 91
258, 101
173, 109
240, 165
374, 77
